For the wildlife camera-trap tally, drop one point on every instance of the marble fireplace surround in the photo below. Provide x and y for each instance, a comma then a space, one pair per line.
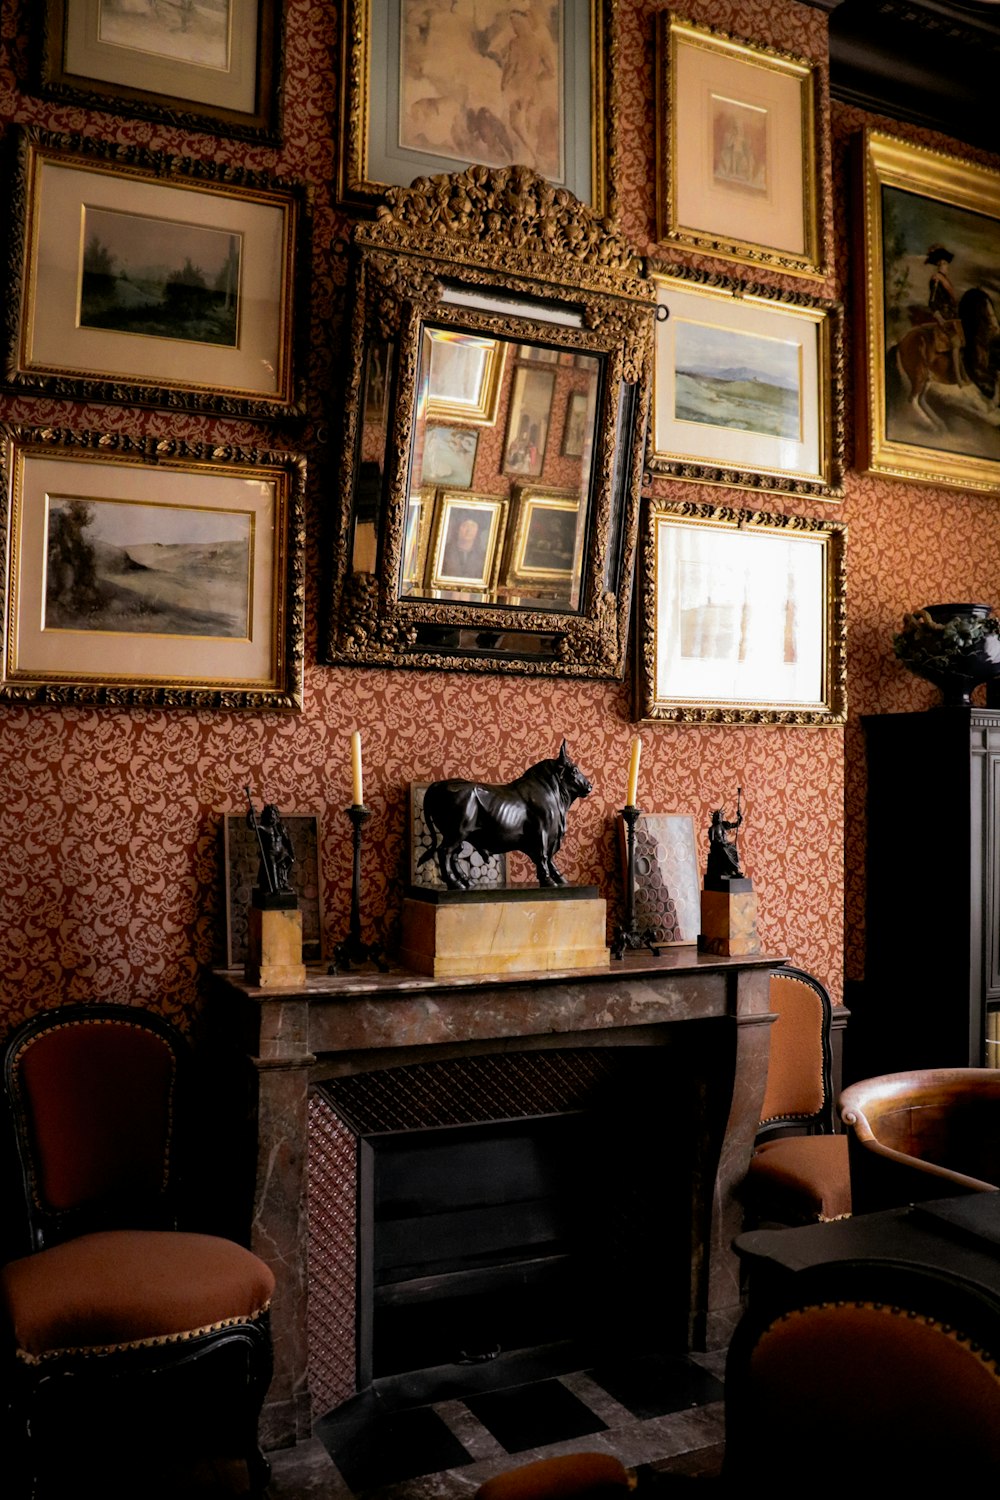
289, 1040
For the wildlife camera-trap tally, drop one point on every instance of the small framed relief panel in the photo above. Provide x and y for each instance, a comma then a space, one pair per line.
213, 65
242, 862
152, 573
927, 407
136, 280
427, 90
486, 872
747, 387
742, 617
736, 149
667, 877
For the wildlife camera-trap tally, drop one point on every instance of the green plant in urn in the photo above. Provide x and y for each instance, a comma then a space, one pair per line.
955, 646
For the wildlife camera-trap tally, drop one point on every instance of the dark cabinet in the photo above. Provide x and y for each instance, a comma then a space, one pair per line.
932, 965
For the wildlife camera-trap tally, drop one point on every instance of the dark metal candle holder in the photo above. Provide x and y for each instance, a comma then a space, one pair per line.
629, 936
351, 950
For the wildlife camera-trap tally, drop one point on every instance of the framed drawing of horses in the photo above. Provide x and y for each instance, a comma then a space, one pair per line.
929, 262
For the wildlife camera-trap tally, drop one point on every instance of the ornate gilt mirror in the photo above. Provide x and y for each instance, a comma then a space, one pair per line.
501, 349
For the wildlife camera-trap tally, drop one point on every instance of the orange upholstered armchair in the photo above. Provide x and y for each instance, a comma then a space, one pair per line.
124, 1331
932, 1133
799, 1170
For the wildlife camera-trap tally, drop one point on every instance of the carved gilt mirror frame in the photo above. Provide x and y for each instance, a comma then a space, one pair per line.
500, 364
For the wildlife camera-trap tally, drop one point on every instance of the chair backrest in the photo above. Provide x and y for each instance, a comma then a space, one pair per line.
800, 1066
929, 1133
95, 1097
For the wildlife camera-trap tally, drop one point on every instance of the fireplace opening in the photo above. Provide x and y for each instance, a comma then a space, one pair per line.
465, 1211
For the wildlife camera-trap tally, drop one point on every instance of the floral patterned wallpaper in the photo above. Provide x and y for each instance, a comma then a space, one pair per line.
110, 821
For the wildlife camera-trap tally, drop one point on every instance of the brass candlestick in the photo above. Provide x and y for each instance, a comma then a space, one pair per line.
628, 935
351, 950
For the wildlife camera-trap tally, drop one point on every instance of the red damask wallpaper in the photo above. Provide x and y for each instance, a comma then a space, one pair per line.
110, 821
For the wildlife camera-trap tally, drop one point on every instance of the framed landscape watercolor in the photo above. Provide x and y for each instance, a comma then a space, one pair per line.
930, 267
736, 145
432, 89
747, 386
461, 375
468, 535
213, 65
449, 456
141, 282
741, 617
151, 572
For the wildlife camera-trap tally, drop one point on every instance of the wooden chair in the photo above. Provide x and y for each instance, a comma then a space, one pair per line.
799, 1171
932, 1133
126, 1332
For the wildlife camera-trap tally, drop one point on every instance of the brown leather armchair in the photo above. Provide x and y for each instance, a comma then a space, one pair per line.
932, 1133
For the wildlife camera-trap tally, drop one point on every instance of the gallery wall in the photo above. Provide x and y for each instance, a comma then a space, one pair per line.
110, 820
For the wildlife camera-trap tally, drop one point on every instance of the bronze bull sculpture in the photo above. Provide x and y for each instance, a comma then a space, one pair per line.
527, 815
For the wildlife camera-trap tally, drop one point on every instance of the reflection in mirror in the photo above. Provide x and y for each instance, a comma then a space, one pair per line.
372, 433
500, 470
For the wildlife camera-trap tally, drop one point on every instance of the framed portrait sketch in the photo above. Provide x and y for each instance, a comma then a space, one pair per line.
528, 420
468, 534
927, 407
747, 387
213, 65
449, 456
427, 90
241, 858
741, 617
736, 147
461, 375
144, 284
150, 572
545, 544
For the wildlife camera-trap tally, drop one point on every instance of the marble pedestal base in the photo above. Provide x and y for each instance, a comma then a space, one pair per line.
274, 948
728, 923
504, 933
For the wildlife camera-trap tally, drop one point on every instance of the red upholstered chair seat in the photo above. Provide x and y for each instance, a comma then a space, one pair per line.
128, 1287
807, 1176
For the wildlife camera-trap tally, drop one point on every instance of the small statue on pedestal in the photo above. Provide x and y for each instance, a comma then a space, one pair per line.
274, 927
277, 856
723, 865
728, 902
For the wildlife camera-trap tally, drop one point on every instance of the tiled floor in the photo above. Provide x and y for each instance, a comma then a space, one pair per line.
662, 1416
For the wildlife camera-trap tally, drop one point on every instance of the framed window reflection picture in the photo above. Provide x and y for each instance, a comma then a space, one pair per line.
736, 148
742, 617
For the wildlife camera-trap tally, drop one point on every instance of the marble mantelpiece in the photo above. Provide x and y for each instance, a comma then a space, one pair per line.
333, 1026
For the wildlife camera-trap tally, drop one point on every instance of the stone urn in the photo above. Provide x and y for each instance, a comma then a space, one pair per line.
955, 646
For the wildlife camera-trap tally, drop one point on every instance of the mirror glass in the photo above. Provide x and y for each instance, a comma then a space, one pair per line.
500, 465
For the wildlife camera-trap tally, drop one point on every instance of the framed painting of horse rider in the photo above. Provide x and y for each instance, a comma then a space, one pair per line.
929, 391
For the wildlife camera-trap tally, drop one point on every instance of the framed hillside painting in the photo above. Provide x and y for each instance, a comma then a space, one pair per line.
930, 267
747, 386
151, 572
141, 281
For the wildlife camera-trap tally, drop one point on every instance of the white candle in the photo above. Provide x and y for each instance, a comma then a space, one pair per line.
356, 768
633, 773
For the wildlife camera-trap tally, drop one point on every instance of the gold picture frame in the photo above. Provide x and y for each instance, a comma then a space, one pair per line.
569, 51
219, 72
142, 279
467, 540
463, 376
151, 572
545, 542
742, 617
748, 386
416, 537
928, 254
736, 141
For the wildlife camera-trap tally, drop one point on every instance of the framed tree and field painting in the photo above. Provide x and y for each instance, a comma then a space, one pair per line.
930, 265
131, 271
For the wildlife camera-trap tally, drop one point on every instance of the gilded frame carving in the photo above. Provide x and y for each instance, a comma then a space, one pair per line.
440, 251
914, 421
802, 456
755, 201
742, 617
592, 104
224, 628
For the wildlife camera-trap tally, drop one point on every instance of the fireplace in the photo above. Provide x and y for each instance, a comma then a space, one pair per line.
685, 1033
